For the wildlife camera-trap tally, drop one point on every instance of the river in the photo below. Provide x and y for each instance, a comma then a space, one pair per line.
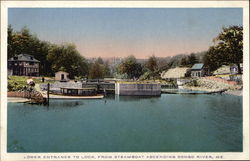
169, 123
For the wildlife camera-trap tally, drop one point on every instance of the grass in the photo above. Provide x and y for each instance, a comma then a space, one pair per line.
16, 83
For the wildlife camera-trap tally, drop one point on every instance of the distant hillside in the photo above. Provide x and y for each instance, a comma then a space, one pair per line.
179, 60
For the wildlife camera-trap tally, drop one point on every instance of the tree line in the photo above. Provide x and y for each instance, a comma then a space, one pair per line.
52, 57
65, 57
227, 48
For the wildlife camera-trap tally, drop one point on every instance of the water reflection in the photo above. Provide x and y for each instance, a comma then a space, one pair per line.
227, 119
66, 103
135, 98
211, 123
15, 146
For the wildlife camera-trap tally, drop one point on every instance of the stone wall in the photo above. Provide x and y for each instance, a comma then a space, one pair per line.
35, 96
58, 85
137, 89
19, 94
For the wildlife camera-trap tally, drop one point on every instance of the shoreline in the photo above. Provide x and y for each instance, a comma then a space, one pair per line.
234, 92
17, 99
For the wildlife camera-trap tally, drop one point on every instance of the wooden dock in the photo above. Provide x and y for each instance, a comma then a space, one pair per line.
53, 96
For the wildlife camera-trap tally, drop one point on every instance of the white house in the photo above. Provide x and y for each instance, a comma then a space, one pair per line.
198, 70
62, 76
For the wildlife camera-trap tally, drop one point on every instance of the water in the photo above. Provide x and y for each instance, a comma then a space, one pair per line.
170, 123
184, 91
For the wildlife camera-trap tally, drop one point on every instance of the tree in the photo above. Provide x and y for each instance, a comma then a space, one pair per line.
99, 60
192, 59
183, 62
52, 57
211, 59
10, 42
24, 42
96, 71
228, 48
66, 57
152, 64
106, 70
130, 67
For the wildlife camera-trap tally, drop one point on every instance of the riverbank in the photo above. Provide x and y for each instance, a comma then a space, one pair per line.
207, 90
18, 99
210, 85
234, 92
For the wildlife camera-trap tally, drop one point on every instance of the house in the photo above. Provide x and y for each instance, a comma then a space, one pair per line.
234, 69
229, 72
199, 70
23, 65
175, 73
62, 76
228, 69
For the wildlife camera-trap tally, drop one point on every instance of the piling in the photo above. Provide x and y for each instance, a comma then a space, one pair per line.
48, 93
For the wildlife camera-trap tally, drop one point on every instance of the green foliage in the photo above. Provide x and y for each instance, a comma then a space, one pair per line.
52, 57
120, 76
96, 71
228, 48
193, 83
184, 62
192, 59
211, 59
16, 83
152, 64
25, 42
131, 67
106, 70
99, 69
67, 58
99, 60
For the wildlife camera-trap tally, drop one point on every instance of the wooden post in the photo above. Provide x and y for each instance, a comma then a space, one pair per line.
48, 93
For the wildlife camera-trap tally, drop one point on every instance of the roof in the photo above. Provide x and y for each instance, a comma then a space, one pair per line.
61, 72
174, 73
197, 66
24, 57
224, 69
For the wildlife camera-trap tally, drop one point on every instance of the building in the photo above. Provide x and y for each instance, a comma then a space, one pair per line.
23, 65
199, 70
228, 69
175, 73
62, 76
234, 69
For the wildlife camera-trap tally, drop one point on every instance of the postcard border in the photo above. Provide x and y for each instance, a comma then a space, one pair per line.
126, 4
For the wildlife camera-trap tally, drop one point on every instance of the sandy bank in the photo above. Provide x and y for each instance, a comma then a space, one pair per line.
234, 92
193, 88
18, 99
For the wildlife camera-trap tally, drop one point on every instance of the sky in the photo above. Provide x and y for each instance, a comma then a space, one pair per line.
119, 32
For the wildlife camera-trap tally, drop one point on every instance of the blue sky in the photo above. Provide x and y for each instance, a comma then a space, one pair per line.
109, 32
